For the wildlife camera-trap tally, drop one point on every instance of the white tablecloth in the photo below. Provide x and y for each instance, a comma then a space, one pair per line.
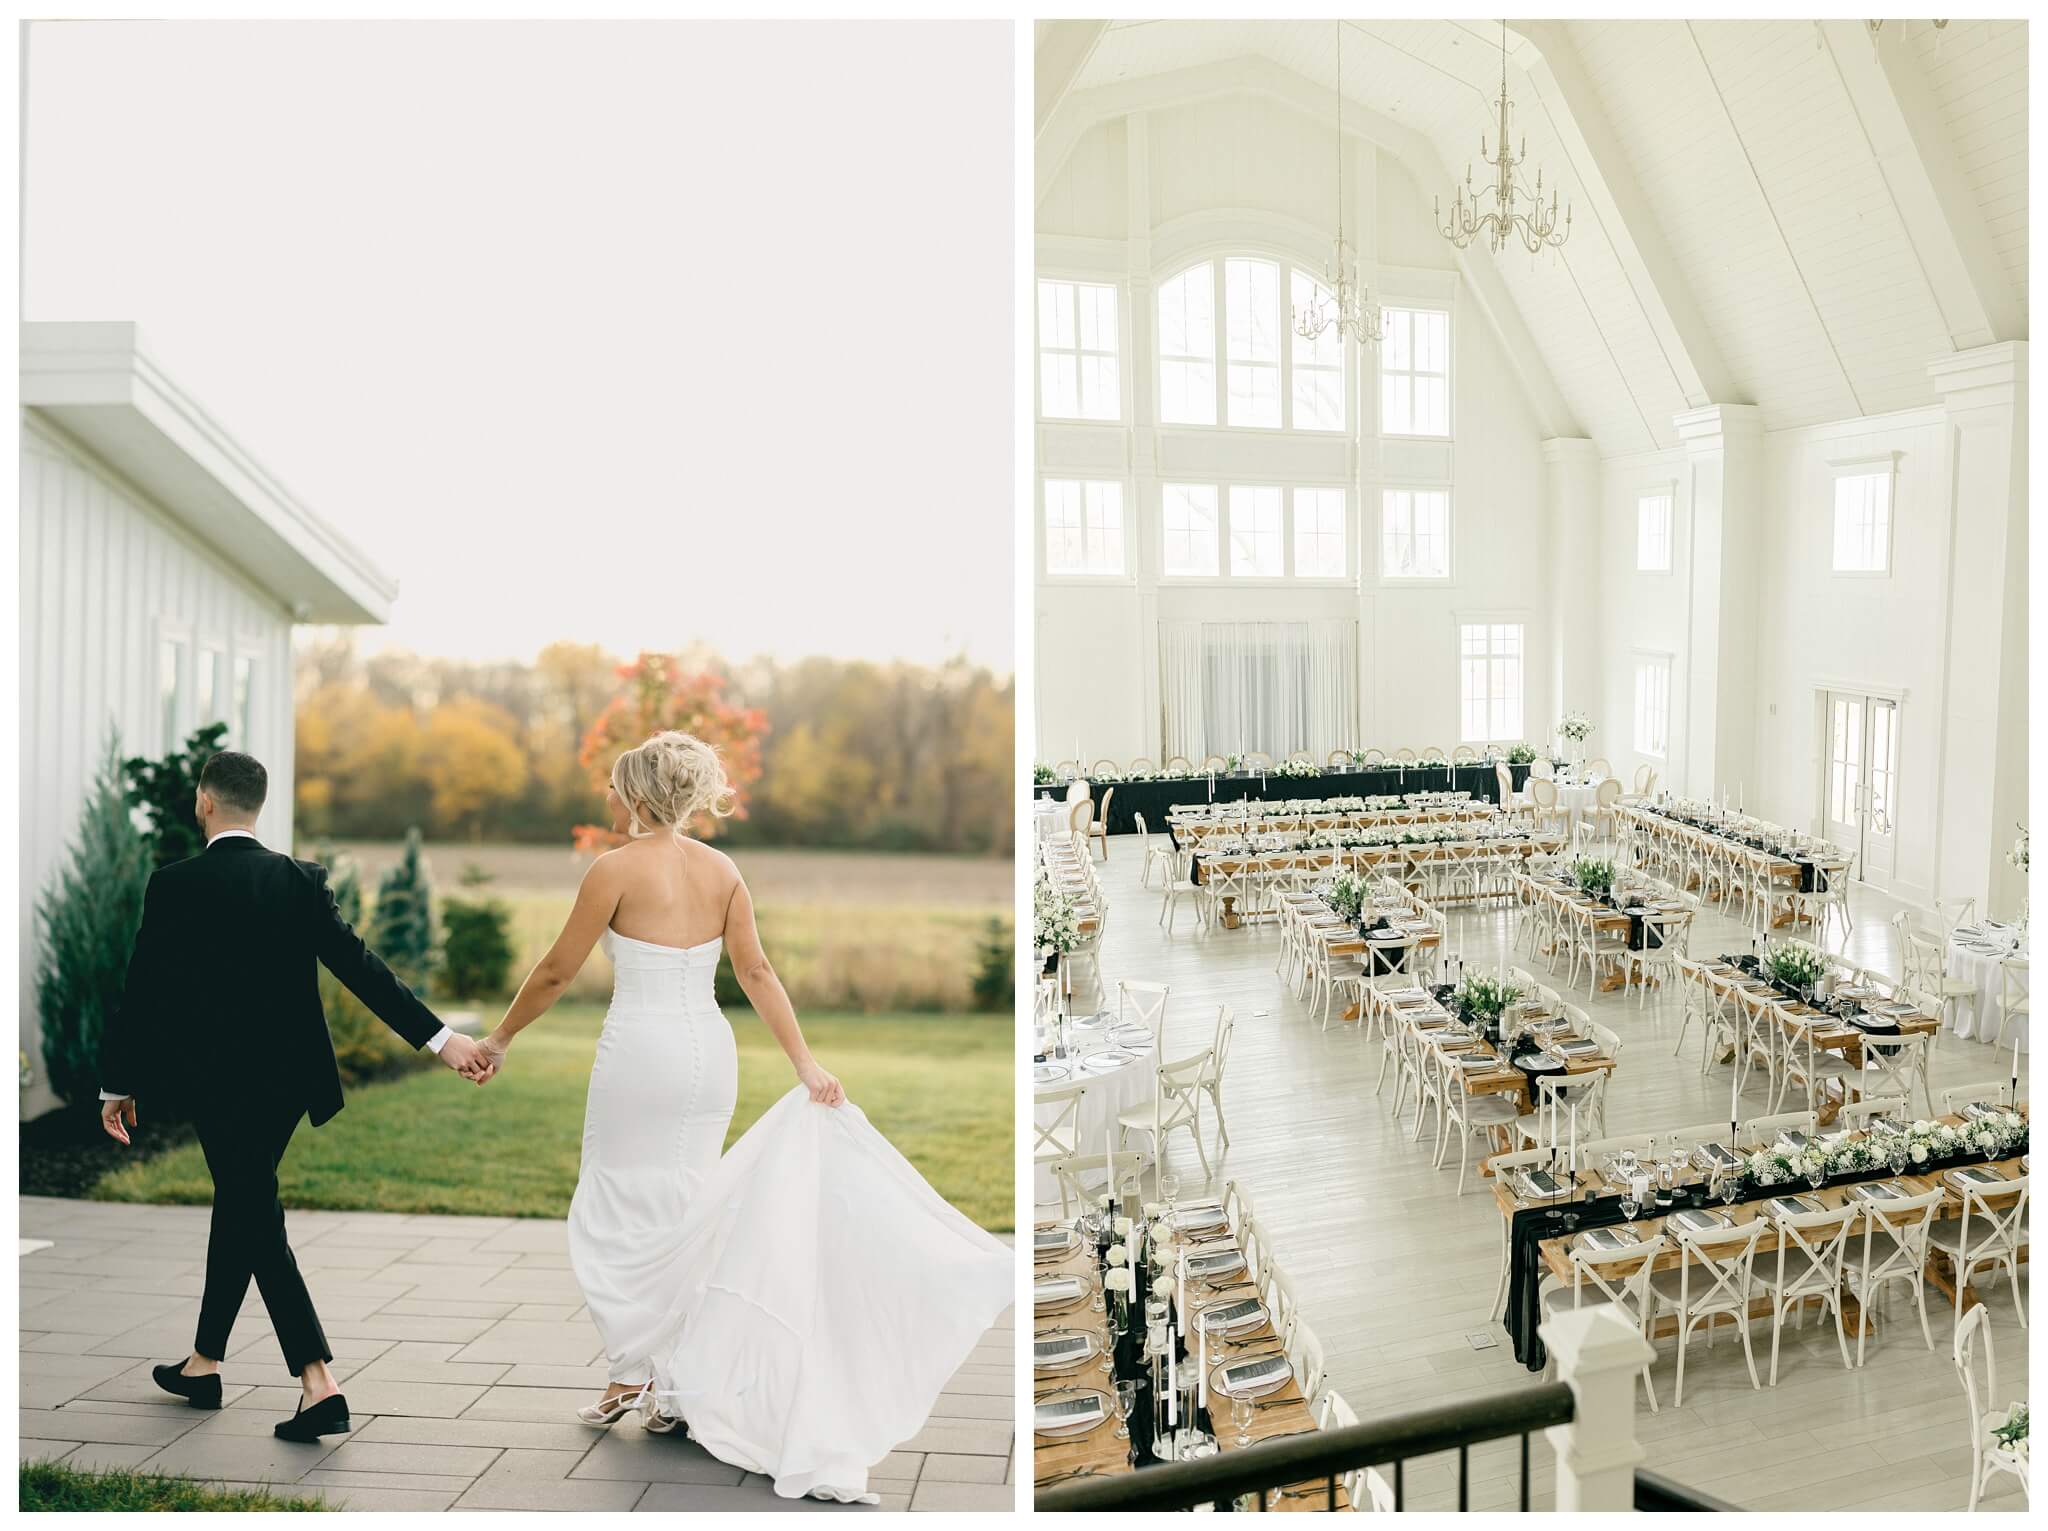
1977, 1015
1109, 1096
1048, 816
1576, 802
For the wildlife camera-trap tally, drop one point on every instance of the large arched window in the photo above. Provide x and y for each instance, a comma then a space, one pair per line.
1268, 377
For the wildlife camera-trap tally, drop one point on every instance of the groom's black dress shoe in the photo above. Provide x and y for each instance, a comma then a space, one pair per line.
200, 1392
327, 1417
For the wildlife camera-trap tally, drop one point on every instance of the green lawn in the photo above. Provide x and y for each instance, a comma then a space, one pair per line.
53, 1486
938, 1087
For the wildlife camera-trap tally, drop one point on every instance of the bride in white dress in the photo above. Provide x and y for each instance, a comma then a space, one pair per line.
799, 1302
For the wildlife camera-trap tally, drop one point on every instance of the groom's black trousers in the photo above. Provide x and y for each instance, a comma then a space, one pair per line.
243, 1144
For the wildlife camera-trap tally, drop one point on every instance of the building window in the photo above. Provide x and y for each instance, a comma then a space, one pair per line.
1084, 527
1490, 681
1318, 387
1653, 705
1415, 534
170, 690
1415, 372
1653, 532
245, 703
1257, 544
211, 691
1319, 533
1189, 524
1863, 523
1251, 340
1187, 348
1077, 351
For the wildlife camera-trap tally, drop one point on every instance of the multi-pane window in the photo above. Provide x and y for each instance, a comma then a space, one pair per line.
1863, 523
1415, 372
1318, 386
212, 697
1251, 340
1187, 348
1653, 532
1077, 350
1084, 527
1319, 533
1653, 705
1257, 546
1415, 534
1490, 681
245, 702
1188, 529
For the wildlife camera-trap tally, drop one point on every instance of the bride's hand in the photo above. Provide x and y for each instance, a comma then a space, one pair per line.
825, 1088
492, 1049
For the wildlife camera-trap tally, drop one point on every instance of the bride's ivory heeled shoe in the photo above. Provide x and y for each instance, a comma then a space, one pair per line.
611, 1410
653, 1420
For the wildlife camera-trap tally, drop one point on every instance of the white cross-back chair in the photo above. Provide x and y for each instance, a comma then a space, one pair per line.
1056, 1129
1807, 1267
1714, 1281
1987, 1236
1988, 1409
1619, 1278
1892, 1252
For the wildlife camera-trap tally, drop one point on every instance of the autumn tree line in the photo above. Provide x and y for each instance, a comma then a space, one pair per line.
828, 753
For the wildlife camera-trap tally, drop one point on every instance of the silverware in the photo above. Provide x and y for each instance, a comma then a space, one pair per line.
1079, 1472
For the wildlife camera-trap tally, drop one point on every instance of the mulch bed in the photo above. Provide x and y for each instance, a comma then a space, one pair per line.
66, 1152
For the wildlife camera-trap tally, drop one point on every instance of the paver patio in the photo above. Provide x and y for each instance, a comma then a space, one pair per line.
464, 1349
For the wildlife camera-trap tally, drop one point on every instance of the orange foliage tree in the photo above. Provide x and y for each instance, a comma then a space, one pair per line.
656, 693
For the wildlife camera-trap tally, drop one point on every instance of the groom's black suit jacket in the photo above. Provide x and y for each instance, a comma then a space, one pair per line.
223, 995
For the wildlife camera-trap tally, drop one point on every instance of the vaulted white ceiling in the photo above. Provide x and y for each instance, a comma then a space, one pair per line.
1791, 214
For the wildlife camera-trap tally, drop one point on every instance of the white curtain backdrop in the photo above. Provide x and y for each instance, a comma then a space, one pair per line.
1232, 687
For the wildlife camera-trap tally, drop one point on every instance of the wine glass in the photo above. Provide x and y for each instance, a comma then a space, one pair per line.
1169, 1190
1896, 1151
1816, 1172
1731, 1187
1126, 1401
1241, 1413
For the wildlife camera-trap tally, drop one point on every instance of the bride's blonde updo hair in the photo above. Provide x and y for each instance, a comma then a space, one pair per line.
668, 782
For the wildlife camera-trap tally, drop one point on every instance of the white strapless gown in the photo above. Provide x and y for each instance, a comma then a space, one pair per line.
798, 1302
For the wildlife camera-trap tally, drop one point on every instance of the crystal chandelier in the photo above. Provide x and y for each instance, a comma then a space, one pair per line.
1349, 306
1535, 228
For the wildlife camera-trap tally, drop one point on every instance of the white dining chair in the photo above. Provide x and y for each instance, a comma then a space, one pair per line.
1807, 1267
1056, 1138
1892, 1252
1987, 1236
1987, 1412
1714, 1280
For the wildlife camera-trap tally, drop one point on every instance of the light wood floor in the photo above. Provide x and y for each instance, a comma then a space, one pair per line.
1395, 1271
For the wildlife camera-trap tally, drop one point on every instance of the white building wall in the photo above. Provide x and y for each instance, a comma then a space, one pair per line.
106, 576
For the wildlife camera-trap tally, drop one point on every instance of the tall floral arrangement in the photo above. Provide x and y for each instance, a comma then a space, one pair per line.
1576, 727
655, 693
1056, 921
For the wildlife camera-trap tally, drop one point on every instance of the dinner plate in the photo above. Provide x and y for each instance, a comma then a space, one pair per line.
1069, 1413
1239, 1315
1049, 1245
1208, 1263
1049, 1073
1061, 1350
1132, 1034
1108, 1060
1251, 1379
1198, 1219
1054, 1291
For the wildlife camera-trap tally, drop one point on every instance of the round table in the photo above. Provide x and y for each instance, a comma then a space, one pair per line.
1111, 1092
1976, 1015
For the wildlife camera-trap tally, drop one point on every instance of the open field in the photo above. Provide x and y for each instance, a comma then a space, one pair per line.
774, 875
938, 1087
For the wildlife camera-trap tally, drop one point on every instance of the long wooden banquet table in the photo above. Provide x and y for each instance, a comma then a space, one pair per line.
1410, 861
1555, 1252
1098, 1452
1157, 797
1786, 874
1505, 1079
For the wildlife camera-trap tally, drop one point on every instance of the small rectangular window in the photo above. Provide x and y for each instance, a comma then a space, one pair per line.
1319, 534
1415, 372
1653, 705
1653, 532
1084, 527
1251, 308
1415, 534
1077, 351
1863, 523
1187, 347
170, 690
1256, 545
1188, 523
1490, 681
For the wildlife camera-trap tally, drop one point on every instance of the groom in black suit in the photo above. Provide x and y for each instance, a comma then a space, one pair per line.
221, 1021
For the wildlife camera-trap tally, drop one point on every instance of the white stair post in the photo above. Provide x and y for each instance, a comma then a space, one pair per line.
1599, 1356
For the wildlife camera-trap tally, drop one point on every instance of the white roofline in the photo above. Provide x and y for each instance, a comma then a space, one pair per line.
99, 385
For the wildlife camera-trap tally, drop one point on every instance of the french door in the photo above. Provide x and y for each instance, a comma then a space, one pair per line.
1859, 778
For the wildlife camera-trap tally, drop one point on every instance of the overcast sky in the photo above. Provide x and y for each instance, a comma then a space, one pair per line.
635, 334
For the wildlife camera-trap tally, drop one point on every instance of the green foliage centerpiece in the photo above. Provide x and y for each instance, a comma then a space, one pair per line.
1057, 923
1043, 775
1794, 965
1594, 877
1481, 1002
1346, 894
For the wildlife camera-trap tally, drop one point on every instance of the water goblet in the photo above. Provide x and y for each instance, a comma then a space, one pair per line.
1731, 1187
1629, 1205
1169, 1189
1126, 1401
1241, 1414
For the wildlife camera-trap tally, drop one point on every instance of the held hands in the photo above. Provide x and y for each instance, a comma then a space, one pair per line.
469, 1059
825, 1089
117, 1116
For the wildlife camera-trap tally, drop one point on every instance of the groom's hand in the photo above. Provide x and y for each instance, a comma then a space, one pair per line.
467, 1059
117, 1116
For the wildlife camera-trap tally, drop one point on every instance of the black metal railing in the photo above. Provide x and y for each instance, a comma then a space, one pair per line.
1654, 1491
1294, 1464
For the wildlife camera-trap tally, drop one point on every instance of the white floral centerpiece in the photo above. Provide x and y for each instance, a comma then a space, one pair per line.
2018, 856
1297, 768
1346, 894
1057, 920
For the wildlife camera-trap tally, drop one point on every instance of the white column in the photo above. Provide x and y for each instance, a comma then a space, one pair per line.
1724, 471
1599, 1356
1571, 482
1983, 721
